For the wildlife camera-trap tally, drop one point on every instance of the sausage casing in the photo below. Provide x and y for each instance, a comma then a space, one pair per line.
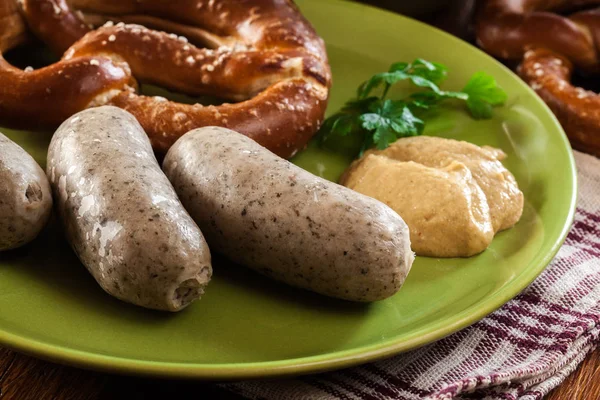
268, 214
25, 197
121, 214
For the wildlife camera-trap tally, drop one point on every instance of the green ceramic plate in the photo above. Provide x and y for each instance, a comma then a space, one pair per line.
246, 325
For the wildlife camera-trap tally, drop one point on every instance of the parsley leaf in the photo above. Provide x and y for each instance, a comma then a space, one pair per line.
420, 72
483, 93
431, 71
391, 120
345, 121
372, 120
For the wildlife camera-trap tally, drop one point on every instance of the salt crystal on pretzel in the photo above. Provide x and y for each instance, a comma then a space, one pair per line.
263, 54
46, 97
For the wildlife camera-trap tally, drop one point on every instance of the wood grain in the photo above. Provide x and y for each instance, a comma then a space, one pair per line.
26, 378
584, 384
23, 377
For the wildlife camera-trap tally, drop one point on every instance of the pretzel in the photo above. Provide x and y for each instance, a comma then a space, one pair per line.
508, 28
578, 110
550, 45
13, 31
262, 53
46, 97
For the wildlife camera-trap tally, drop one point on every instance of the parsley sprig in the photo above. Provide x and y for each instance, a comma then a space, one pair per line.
378, 121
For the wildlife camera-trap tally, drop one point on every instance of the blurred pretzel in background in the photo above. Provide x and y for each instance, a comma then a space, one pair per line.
549, 46
260, 53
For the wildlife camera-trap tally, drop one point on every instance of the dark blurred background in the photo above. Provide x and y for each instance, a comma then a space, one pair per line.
453, 16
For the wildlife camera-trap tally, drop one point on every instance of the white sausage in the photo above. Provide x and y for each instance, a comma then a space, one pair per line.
121, 215
268, 214
25, 199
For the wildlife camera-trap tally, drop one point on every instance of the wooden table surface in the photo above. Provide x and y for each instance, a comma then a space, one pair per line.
26, 378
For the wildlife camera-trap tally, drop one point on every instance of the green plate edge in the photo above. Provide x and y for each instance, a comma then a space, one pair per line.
330, 361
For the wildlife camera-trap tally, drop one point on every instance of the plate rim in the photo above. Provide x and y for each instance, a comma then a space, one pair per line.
322, 362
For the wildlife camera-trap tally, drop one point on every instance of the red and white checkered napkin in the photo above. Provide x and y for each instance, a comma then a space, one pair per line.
521, 351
